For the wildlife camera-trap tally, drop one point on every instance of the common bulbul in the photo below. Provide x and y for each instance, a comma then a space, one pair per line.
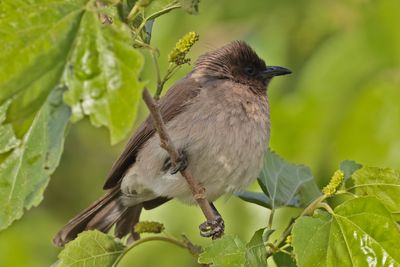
217, 117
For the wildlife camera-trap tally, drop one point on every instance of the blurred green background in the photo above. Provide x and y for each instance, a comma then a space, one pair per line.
341, 102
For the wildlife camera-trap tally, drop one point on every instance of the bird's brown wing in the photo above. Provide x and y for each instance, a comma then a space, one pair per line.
173, 103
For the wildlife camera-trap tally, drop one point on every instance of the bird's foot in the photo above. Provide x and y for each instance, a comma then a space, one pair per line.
214, 229
181, 163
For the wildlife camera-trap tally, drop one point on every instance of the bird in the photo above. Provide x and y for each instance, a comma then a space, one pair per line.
218, 118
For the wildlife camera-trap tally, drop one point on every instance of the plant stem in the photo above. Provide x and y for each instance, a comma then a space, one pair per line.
309, 210
134, 11
344, 192
284, 246
157, 68
168, 8
271, 218
160, 84
148, 239
325, 206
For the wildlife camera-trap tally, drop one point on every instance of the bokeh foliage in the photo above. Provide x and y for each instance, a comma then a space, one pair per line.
341, 102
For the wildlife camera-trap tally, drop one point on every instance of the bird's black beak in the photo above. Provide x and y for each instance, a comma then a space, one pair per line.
272, 71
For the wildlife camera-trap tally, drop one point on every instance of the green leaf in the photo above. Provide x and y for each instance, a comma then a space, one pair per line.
381, 183
36, 39
287, 184
256, 253
24, 173
310, 239
226, 251
101, 75
361, 232
231, 251
349, 167
256, 198
49, 46
63, 42
284, 260
91, 249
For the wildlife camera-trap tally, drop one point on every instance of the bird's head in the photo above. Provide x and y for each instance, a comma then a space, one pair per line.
238, 62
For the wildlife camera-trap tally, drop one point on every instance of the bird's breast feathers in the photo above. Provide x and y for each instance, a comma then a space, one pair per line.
225, 132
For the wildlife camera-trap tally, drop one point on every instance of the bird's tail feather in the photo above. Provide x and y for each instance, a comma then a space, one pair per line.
102, 215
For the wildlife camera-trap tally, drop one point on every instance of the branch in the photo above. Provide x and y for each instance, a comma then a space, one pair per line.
185, 243
197, 190
309, 210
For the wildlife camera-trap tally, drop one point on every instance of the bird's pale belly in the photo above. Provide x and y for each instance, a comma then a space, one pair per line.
222, 161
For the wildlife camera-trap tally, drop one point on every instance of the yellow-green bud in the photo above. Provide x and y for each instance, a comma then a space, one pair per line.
149, 227
288, 239
334, 183
182, 48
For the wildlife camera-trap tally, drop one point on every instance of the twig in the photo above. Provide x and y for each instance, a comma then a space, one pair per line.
197, 190
195, 250
160, 83
157, 68
182, 244
282, 238
309, 210
326, 207
271, 218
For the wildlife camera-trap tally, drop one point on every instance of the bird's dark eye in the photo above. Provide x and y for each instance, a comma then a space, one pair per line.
249, 70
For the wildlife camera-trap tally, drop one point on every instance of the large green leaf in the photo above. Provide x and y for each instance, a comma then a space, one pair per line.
287, 184
101, 75
24, 173
57, 50
91, 249
48, 43
37, 37
361, 232
226, 251
381, 183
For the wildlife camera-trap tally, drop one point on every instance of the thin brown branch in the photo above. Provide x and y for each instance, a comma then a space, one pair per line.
197, 190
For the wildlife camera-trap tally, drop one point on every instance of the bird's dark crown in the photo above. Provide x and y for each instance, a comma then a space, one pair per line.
236, 61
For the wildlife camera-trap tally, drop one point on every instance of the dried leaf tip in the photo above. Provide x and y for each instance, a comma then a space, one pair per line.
334, 183
149, 227
182, 48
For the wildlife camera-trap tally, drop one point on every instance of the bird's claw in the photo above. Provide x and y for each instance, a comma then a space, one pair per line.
214, 229
181, 163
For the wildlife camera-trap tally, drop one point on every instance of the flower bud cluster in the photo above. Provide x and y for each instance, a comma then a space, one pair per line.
149, 227
182, 48
334, 183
